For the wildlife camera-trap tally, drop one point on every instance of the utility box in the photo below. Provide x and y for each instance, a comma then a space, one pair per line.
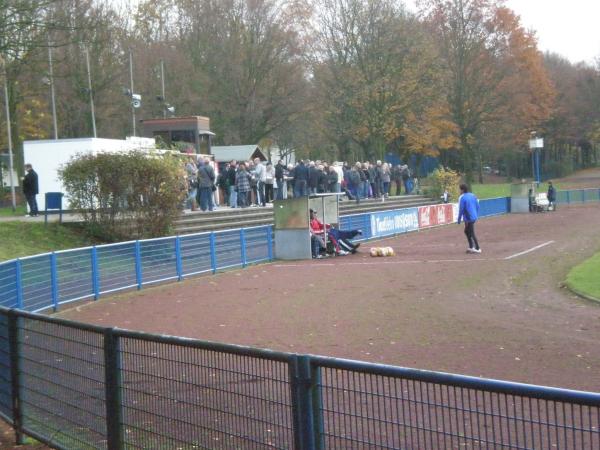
292, 223
519, 198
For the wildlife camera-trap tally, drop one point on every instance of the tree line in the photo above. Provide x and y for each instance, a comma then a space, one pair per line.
461, 80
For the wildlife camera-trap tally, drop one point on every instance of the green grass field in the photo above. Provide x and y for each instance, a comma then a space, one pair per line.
8, 212
501, 190
584, 278
24, 239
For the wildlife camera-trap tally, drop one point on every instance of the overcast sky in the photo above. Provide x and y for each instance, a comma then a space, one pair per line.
570, 28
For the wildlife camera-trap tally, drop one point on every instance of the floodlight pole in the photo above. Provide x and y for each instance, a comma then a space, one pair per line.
52, 94
162, 81
9, 138
131, 89
87, 62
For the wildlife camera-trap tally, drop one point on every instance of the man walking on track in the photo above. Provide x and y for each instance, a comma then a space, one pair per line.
468, 210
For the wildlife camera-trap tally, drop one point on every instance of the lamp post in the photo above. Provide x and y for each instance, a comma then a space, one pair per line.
89, 76
9, 138
131, 90
535, 145
52, 94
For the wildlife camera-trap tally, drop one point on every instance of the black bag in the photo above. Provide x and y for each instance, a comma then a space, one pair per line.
213, 187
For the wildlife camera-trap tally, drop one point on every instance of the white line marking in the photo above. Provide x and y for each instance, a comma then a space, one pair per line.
378, 263
532, 249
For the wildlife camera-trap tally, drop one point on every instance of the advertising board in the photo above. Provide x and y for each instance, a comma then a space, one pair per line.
388, 223
434, 215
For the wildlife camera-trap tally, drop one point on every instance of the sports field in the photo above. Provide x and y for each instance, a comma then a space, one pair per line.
502, 314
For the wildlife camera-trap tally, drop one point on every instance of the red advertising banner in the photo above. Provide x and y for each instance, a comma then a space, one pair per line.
434, 215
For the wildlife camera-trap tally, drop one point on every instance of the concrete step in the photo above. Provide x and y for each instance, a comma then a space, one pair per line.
231, 218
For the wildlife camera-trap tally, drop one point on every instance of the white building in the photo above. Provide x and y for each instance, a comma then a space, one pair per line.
48, 156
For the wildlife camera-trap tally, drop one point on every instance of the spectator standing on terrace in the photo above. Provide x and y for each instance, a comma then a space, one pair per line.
280, 183
206, 183
405, 171
261, 179
313, 178
31, 189
332, 180
385, 179
191, 171
223, 183
468, 209
355, 182
269, 181
301, 180
242, 185
231, 180
397, 178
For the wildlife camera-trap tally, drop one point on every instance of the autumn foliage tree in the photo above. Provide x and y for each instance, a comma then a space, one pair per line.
495, 78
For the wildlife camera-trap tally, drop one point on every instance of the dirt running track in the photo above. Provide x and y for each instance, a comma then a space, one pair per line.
500, 314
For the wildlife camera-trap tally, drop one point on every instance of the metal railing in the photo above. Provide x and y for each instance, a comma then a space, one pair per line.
578, 196
39, 282
72, 385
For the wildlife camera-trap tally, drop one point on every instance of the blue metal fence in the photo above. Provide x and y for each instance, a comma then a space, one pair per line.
45, 281
578, 196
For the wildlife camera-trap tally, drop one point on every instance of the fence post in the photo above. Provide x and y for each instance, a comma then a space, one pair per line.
213, 253
112, 385
270, 242
243, 246
303, 387
15, 375
178, 266
95, 273
568, 196
583, 196
138, 264
19, 283
54, 281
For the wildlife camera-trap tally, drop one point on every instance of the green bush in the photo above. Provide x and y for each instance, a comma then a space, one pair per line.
125, 195
441, 180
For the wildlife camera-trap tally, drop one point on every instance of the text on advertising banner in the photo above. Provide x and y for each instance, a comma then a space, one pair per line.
394, 222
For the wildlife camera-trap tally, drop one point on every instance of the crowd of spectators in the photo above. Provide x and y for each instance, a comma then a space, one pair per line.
257, 183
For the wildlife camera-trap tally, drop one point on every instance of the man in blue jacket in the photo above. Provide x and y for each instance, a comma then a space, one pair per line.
468, 210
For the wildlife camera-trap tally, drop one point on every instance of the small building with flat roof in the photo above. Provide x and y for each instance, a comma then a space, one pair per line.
188, 133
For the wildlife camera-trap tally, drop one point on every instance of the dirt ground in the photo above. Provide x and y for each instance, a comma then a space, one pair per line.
431, 306
500, 314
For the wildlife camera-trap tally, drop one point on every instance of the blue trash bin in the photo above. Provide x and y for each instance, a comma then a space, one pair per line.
54, 203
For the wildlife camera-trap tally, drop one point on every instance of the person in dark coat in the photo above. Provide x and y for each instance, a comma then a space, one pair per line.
551, 197
301, 180
279, 179
206, 184
31, 189
313, 178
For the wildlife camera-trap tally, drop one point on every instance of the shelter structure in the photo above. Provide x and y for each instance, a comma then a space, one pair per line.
292, 223
226, 153
189, 132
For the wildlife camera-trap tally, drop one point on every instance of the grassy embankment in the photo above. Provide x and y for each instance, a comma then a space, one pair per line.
30, 238
501, 190
584, 280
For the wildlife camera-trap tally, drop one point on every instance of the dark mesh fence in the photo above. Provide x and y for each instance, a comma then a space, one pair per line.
5, 366
175, 396
410, 409
86, 387
61, 383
